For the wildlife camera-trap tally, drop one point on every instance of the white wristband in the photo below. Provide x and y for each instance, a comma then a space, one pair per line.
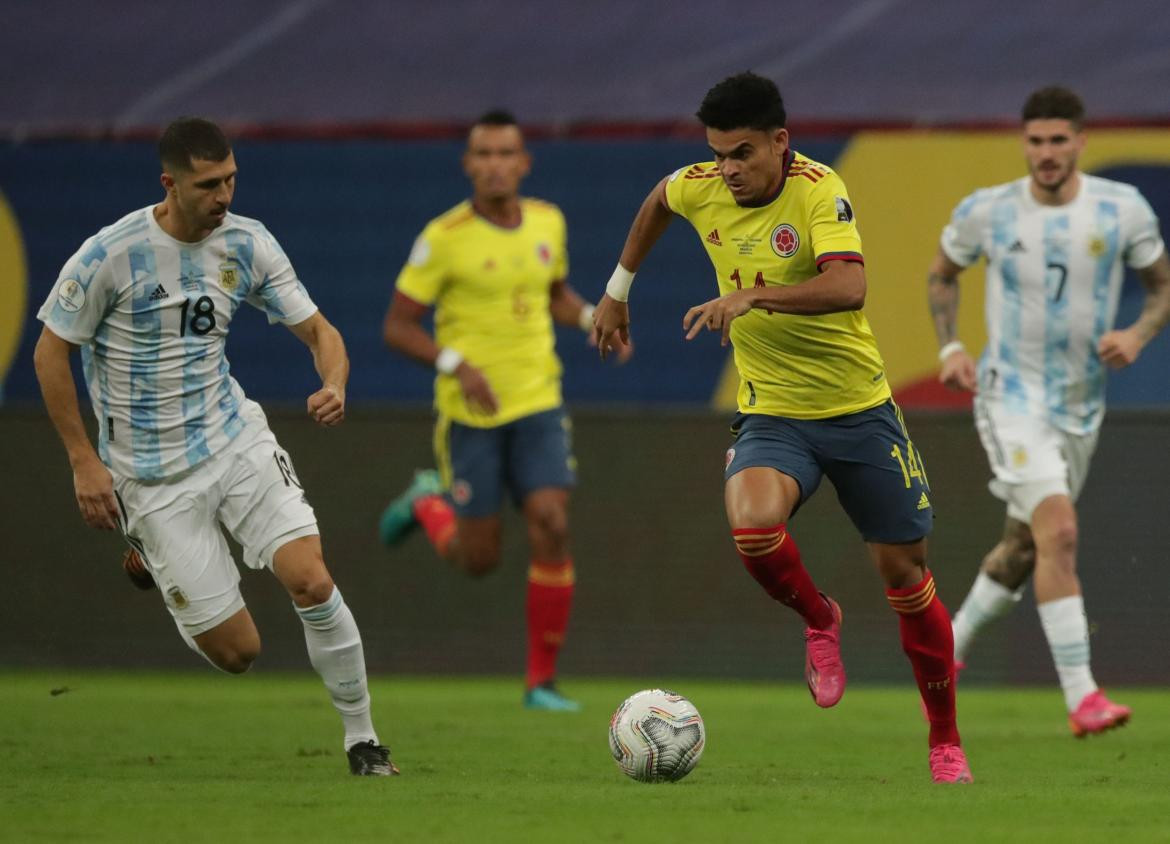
618, 288
448, 361
585, 320
949, 349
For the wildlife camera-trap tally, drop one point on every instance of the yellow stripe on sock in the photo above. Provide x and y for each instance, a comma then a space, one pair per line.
543, 575
759, 550
915, 603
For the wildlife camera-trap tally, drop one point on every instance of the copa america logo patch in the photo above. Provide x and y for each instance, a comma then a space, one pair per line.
71, 296
460, 492
785, 241
730, 457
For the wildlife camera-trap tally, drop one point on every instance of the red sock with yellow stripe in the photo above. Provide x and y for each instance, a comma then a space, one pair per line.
928, 641
437, 518
550, 597
772, 558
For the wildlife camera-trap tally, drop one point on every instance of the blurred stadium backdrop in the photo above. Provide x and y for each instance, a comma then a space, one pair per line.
345, 165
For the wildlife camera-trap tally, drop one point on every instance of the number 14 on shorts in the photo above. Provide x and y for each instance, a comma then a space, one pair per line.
909, 463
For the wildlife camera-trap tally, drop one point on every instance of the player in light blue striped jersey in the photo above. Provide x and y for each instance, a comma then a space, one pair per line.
1057, 243
181, 450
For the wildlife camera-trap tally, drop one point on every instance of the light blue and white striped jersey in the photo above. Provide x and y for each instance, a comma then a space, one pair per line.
151, 314
1054, 276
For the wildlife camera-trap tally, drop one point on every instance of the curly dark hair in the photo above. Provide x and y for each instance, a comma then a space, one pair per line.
1054, 102
743, 101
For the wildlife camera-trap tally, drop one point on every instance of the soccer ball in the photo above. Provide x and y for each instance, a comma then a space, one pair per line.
656, 736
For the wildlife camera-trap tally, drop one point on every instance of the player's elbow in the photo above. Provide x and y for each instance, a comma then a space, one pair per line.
854, 296
392, 330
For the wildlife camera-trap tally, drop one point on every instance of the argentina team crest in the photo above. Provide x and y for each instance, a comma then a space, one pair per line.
785, 241
229, 275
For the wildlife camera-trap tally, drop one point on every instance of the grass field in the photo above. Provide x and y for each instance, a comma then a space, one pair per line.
203, 757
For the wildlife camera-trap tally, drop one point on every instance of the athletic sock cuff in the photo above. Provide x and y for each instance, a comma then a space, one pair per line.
913, 600
552, 573
322, 615
756, 542
995, 590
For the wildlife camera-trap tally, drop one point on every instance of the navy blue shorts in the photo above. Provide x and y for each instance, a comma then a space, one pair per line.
524, 455
877, 472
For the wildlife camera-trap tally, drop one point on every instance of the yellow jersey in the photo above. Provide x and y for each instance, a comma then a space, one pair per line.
489, 286
803, 367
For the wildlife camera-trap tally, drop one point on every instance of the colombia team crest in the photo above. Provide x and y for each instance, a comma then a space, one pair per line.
785, 241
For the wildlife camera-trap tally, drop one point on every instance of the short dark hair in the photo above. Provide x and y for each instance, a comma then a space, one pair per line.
190, 138
1054, 102
496, 117
743, 101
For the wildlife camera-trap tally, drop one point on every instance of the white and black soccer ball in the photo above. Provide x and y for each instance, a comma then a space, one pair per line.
656, 736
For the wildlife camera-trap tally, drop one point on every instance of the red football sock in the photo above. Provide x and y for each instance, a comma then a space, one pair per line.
928, 641
437, 518
550, 595
772, 558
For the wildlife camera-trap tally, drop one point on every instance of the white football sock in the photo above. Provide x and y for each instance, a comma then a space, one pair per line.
335, 650
986, 602
1067, 630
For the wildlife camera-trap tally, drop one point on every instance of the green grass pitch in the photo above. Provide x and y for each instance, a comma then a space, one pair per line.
196, 757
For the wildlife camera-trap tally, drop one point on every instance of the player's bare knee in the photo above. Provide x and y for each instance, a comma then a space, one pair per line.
900, 565
312, 590
236, 657
548, 531
1059, 537
478, 561
754, 514
1010, 564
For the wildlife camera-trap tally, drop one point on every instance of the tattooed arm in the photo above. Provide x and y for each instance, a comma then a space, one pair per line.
942, 290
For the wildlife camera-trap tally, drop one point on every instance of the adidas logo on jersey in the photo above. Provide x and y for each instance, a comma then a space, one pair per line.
1018, 246
713, 237
923, 502
160, 292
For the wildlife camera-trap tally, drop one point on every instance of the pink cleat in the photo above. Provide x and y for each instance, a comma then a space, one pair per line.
822, 663
1096, 714
948, 763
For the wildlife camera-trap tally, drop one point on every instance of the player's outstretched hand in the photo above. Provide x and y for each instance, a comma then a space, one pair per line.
477, 392
611, 328
94, 488
327, 405
624, 349
1119, 348
717, 314
958, 371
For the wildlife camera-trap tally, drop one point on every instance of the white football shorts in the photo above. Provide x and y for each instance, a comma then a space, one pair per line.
1031, 458
250, 488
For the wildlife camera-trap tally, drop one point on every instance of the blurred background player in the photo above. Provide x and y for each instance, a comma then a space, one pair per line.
813, 398
1057, 242
181, 450
494, 269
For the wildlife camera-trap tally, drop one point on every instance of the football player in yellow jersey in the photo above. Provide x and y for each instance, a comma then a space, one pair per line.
813, 398
494, 269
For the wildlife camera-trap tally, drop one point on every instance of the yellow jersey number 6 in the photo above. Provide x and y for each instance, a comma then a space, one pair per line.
520, 307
